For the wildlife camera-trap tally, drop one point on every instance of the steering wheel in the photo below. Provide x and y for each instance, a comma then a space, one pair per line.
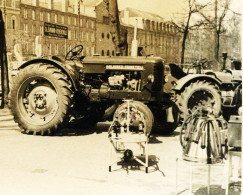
74, 52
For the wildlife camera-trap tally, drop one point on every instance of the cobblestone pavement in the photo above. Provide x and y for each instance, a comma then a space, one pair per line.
76, 162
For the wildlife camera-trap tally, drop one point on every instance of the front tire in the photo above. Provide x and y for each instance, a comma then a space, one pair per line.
143, 111
41, 98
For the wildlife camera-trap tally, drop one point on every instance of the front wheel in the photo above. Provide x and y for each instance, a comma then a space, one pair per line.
137, 113
41, 99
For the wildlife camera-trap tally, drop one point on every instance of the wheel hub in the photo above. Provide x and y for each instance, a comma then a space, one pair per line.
42, 100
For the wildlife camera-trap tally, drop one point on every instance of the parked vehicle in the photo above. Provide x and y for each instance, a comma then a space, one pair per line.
47, 92
220, 90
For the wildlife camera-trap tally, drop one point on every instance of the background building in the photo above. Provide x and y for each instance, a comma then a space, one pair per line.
155, 36
88, 24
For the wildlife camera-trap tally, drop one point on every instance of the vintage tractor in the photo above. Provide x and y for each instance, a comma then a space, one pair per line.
221, 90
48, 91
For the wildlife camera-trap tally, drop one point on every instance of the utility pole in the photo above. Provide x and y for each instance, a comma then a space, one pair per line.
215, 31
79, 4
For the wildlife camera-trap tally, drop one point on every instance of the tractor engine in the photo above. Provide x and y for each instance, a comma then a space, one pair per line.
121, 78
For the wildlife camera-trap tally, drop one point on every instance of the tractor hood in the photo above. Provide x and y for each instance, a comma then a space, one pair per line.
121, 60
229, 76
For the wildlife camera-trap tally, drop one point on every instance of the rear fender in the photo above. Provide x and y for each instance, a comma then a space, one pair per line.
72, 74
185, 81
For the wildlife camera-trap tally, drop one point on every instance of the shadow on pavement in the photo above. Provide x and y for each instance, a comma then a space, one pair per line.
153, 140
173, 134
217, 190
133, 165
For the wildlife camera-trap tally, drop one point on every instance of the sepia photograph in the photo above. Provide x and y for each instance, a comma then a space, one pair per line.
121, 97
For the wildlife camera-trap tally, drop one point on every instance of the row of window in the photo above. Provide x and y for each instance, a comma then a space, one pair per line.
57, 18
7, 3
57, 49
151, 25
103, 35
84, 36
108, 53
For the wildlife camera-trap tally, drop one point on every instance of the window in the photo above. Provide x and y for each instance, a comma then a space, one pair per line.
55, 18
26, 48
13, 3
33, 15
102, 53
102, 35
113, 52
49, 48
75, 21
41, 31
92, 24
81, 22
25, 13
93, 37
84, 23
33, 29
108, 53
75, 34
69, 20
108, 35
56, 49
41, 16
33, 47
82, 35
69, 34
13, 22
25, 27
106, 20
48, 17
62, 19
87, 36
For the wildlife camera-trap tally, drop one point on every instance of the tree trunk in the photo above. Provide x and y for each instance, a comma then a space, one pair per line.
183, 47
3, 63
217, 46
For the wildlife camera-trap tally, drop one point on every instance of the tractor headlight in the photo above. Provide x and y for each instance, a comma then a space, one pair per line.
151, 78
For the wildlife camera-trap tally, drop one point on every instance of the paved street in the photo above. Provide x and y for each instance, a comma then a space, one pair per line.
76, 162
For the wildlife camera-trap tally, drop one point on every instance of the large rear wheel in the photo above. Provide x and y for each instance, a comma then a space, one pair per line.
41, 99
199, 94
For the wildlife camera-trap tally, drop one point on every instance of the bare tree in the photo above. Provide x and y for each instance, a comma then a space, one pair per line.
216, 22
185, 25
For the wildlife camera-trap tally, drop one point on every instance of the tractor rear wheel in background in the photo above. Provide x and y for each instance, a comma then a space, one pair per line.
199, 94
166, 117
41, 99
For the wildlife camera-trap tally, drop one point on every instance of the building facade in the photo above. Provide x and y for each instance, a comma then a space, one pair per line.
155, 36
25, 25
88, 24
